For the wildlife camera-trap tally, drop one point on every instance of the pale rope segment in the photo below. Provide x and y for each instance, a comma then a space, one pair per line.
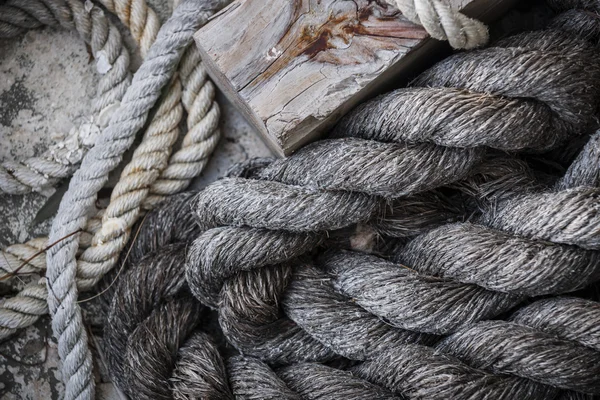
152, 76
142, 21
442, 22
112, 59
31, 303
184, 165
198, 100
141, 177
203, 131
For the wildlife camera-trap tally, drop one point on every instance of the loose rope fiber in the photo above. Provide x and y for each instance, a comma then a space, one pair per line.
112, 58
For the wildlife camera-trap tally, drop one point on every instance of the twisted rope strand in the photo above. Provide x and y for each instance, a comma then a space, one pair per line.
17, 310
202, 136
100, 251
24, 309
141, 177
276, 232
142, 21
148, 160
198, 100
151, 298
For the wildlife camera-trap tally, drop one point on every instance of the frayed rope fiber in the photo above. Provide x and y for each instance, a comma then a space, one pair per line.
471, 292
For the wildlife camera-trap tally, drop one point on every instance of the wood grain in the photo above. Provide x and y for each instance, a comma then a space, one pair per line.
294, 67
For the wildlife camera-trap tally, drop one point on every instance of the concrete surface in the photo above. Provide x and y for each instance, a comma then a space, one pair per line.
46, 82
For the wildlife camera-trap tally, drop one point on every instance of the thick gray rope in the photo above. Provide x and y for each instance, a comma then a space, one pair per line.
549, 344
153, 348
465, 380
342, 171
152, 76
387, 290
446, 372
112, 58
356, 333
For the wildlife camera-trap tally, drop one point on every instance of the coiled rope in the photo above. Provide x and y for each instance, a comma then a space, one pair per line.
139, 184
253, 226
112, 59
203, 118
228, 261
377, 324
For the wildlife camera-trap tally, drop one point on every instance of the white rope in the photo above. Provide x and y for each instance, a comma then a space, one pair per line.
442, 22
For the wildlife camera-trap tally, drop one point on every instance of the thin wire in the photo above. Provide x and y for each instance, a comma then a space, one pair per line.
27, 261
122, 265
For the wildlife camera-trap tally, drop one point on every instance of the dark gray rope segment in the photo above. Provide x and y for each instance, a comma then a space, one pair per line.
388, 170
200, 371
272, 205
475, 98
337, 321
508, 348
497, 179
567, 318
420, 372
316, 381
149, 359
252, 379
405, 299
219, 253
498, 261
578, 17
569, 216
446, 118
152, 346
157, 277
416, 214
582, 172
565, 80
253, 322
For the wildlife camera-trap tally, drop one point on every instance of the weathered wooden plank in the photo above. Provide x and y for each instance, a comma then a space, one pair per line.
294, 67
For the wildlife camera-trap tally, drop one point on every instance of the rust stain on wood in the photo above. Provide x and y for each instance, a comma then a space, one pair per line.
293, 67
308, 36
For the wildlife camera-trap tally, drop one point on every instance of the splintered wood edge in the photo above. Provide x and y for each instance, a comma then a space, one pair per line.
410, 63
